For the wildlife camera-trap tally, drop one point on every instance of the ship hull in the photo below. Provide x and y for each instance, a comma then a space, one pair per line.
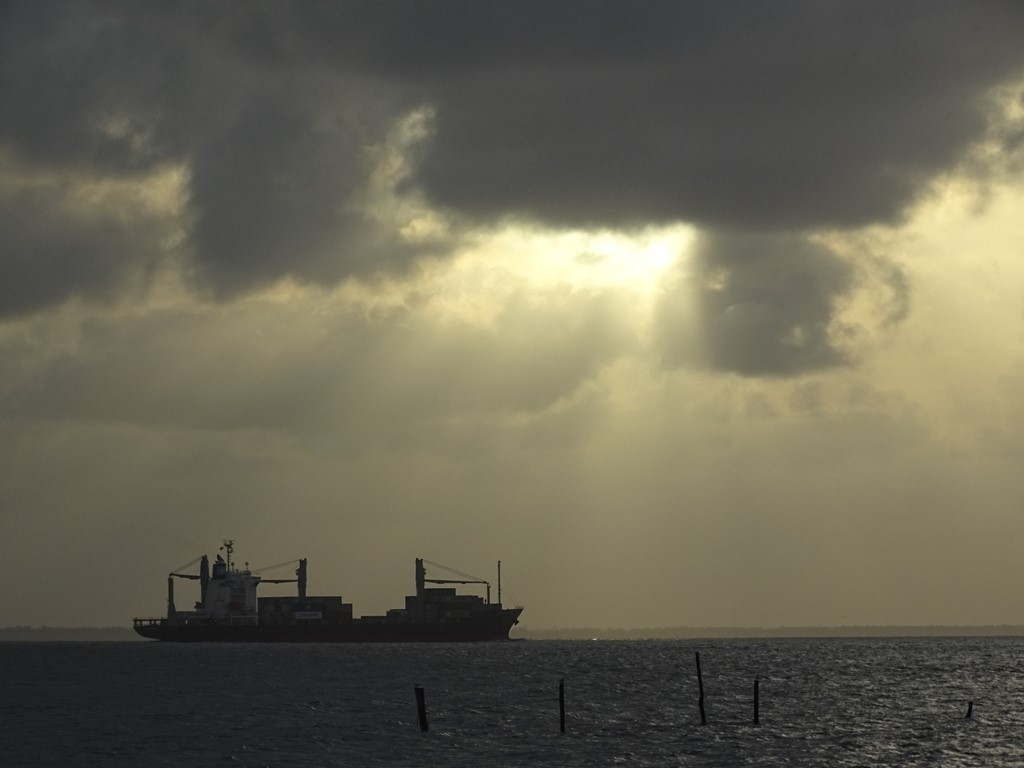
356, 631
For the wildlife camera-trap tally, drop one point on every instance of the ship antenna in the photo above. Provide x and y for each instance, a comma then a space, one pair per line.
229, 547
499, 582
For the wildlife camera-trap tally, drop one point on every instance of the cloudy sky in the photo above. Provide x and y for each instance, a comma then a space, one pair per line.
691, 313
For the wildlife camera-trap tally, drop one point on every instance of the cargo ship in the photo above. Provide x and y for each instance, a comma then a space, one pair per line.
230, 611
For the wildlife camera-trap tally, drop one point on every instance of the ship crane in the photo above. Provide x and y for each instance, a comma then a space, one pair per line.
300, 575
203, 577
421, 577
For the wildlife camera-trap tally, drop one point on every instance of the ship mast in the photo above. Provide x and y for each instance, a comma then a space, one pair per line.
229, 547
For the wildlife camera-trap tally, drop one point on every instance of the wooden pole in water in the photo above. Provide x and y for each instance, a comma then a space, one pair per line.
757, 701
700, 688
561, 704
421, 708
970, 709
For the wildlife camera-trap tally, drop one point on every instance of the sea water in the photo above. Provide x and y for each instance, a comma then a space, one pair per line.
827, 702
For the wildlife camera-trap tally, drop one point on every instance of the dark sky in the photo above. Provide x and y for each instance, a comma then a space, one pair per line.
633, 296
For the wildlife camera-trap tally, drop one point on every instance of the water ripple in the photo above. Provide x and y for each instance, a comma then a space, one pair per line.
822, 703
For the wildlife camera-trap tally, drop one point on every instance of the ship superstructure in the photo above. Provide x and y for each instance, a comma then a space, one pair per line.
230, 610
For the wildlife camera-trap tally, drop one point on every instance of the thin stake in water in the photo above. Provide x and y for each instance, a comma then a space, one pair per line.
421, 708
700, 687
757, 701
561, 704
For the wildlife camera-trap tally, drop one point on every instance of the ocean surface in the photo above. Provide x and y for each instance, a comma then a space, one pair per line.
829, 702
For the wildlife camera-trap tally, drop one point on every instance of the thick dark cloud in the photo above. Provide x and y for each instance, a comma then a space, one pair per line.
756, 304
733, 116
794, 115
40, 262
270, 195
789, 116
277, 156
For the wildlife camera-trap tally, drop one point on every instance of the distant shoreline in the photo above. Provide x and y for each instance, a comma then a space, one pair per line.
126, 634
697, 633
85, 634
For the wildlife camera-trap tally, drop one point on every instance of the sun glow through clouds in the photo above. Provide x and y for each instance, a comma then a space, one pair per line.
477, 285
592, 260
